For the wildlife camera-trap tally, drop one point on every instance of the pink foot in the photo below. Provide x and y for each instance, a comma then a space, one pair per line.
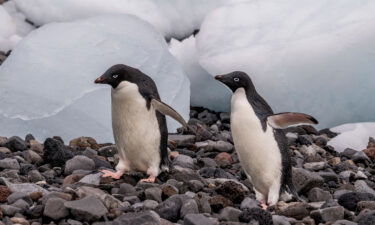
114, 175
263, 205
173, 155
150, 179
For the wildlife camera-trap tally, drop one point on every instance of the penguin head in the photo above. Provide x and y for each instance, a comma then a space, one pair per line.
235, 80
119, 73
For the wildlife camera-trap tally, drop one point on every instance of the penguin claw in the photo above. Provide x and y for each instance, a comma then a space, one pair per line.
114, 175
264, 206
150, 179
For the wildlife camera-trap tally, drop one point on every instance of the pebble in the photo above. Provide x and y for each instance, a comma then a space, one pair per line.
330, 214
79, 162
15, 144
5, 192
256, 216
55, 209
305, 180
153, 193
361, 186
318, 195
55, 152
139, 218
198, 219
230, 214
9, 163
190, 206
89, 208
351, 199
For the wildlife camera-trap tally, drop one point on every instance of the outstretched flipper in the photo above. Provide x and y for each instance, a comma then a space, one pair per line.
289, 119
169, 111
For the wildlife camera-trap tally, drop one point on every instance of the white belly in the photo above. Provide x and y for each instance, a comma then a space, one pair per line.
136, 130
257, 150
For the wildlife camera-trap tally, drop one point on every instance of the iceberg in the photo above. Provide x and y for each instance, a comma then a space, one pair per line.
315, 57
177, 18
205, 90
8, 39
352, 135
46, 84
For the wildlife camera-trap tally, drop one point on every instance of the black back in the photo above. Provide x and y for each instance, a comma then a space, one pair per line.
262, 110
147, 88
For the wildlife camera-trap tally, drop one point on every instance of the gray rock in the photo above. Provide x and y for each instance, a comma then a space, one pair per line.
26, 188
330, 214
79, 162
351, 199
360, 157
73, 222
32, 157
361, 186
93, 179
184, 161
229, 214
221, 146
138, 218
150, 204
89, 208
127, 189
8, 163
280, 220
17, 195
319, 195
207, 117
9, 210
366, 217
15, 144
153, 193
182, 140
195, 185
108, 200
55, 209
21, 204
170, 208
189, 207
305, 180
131, 199
203, 202
199, 219
338, 193
34, 176
207, 162
344, 222
315, 166
249, 203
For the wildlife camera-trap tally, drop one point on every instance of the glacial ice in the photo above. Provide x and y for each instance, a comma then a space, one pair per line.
46, 84
205, 91
352, 135
315, 57
177, 18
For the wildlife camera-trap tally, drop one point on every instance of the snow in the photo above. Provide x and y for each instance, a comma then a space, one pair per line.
7, 31
177, 18
47, 83
315, 57
12, 26
205, 90
352, 135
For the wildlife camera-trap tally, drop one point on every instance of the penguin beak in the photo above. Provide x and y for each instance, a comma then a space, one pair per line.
219, 77
99, 80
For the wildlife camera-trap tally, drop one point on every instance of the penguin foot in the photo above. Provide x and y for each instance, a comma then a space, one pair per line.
150, 179
114, 175
263, 205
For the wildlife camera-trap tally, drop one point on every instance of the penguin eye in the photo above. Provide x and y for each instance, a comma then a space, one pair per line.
236, 79
115, 76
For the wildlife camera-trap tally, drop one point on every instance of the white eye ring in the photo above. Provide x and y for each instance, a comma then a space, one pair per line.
115, 76
236, 79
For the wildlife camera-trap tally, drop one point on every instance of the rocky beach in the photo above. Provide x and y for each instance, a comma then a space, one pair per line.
58, 182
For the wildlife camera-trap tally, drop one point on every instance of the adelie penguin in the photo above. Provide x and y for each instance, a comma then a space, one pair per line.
138, 122
259, 140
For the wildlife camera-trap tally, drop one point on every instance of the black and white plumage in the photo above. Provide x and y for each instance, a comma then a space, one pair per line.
138, 122
260, 143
